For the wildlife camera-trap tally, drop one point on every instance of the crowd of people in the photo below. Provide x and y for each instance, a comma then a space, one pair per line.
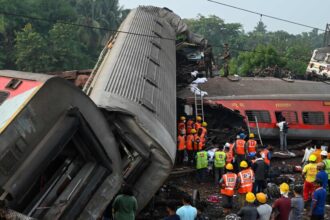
241, 169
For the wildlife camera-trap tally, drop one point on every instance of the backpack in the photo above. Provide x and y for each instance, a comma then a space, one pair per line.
285, 127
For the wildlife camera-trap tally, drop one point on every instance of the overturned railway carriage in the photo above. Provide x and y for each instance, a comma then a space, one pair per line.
261, 101
59, 158
134, 83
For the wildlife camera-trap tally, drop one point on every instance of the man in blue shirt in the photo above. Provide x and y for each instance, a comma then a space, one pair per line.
318, 202
187, 212
322, 175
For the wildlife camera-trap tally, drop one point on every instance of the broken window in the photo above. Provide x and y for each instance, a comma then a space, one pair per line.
290, 116
261, 115
3, 96
313, 118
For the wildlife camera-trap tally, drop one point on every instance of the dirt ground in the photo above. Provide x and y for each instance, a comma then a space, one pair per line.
183, 181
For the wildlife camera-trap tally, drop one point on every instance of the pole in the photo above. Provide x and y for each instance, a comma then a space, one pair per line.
258, 130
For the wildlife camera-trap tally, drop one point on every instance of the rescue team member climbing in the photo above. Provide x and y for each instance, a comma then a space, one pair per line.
228, 185
219, 164
309, 174
245, 181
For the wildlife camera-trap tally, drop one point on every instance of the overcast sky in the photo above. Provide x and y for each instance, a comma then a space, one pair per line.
310, 12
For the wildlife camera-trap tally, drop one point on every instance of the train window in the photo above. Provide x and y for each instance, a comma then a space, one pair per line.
262, 116
290, 116
313, 118
3, 96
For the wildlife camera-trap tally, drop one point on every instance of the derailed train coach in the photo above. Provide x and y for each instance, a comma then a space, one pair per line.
59, 157
65, 155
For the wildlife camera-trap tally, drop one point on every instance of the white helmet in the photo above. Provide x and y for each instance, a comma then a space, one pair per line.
324, 153
227, 145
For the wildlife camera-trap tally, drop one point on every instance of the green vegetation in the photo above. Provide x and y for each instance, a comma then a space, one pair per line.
258, 49
38, 45
45, 45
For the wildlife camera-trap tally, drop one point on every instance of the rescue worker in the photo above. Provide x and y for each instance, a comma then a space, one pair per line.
198, 141
219, 164
322, 175
283, 204
203, 133
309, 175
326, 162
249, 212
198, 124
317, 153
201, 165
181, 147
229, 153
190, 146
251, 146
264, 210
182, 125
239, 148
190, 125
228, 185
266, 155
245, 181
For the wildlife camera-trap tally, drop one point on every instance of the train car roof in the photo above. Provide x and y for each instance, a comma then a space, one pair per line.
260, 88
25, 75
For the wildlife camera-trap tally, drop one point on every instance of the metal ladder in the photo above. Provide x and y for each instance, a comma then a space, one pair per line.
199, 106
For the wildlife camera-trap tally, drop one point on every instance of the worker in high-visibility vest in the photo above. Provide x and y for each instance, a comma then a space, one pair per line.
239, 149
266, 155
245, 181
201, 165
189, 125
229, 153
181, 147
182, 125
198, 141
219, 165
251, 146
228, 184
198, 123
190, 146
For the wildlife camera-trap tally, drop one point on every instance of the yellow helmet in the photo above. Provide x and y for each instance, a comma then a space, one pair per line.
204, 124
284, 188
229, 166
251, 135
182, 118
312, 158
261, 197
198, 118
243, 164
250, 197
193, 131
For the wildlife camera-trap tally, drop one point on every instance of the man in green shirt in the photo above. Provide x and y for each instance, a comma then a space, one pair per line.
125, 205
326, 161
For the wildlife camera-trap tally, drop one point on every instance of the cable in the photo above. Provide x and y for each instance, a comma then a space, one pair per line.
81, 25
264, 15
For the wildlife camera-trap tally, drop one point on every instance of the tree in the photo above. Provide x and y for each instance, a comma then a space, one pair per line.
31, 51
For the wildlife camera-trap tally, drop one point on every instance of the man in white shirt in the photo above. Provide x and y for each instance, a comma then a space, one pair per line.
283, 133
308, 151
187, 212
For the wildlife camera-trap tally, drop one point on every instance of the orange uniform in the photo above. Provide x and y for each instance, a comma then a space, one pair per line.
240, 147
229, 183
190, 125
190, 142
181, 128
198, 142
252, 146
246, 179
197, 126
181, 142
264, 154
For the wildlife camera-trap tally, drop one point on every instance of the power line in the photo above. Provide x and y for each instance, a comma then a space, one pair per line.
265, 15
81, 25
